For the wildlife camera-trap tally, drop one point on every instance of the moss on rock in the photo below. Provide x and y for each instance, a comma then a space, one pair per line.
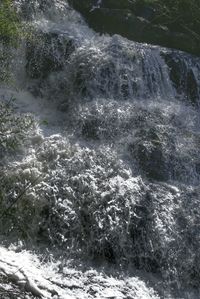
9, 23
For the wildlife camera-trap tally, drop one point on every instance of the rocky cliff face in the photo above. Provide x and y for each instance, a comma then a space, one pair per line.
134, 22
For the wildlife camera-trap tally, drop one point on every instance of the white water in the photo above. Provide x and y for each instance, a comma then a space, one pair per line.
100, 219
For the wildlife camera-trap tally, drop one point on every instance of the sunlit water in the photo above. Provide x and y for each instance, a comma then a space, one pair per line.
112, 164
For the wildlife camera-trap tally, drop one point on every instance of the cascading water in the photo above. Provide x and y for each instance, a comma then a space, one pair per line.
103, 194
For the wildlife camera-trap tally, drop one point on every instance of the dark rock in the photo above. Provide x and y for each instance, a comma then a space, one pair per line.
183, 77
176, 66
152, 161
140, 226
46, 53
156, 152
198, 168
149, 153
90, 129
108, 252
192, 89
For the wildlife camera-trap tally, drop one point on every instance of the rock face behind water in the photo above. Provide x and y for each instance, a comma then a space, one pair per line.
182, 77
47, 52
124, 18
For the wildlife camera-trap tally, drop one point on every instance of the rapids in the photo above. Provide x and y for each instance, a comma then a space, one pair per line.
102, 196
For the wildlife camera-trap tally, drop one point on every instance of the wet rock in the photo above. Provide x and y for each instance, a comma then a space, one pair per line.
151, 161
160, 156
192, 88
47, 53
149, 153
108, 252
90, 129
183, 76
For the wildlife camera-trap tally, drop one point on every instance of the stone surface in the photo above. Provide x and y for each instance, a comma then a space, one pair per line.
184, 76
46, 53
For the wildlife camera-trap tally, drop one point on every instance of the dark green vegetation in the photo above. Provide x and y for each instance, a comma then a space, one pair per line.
179, 15
10, 32
172, 24
9, 23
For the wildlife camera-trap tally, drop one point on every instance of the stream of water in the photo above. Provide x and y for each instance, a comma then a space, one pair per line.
108, 173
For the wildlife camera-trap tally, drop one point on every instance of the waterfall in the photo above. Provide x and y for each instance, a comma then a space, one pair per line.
103, 192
